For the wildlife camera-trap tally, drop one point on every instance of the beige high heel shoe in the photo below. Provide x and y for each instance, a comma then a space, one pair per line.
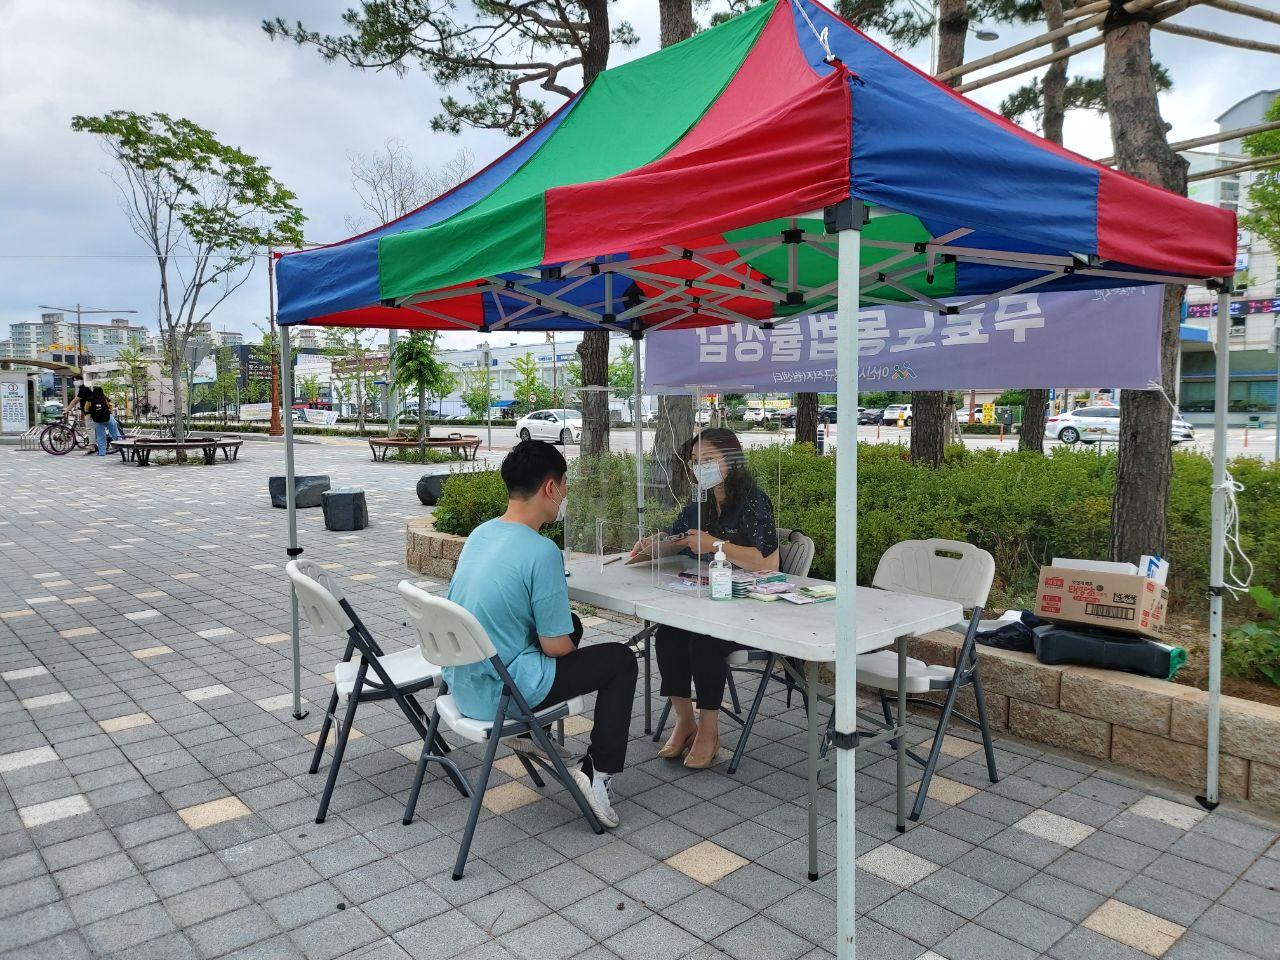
706, 764
674, 751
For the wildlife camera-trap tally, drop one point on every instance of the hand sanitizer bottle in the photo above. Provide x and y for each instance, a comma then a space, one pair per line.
720, 575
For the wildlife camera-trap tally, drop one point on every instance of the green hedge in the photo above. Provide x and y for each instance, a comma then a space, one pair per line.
1024, 508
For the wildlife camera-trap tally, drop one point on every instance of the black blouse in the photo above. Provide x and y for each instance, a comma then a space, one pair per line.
749, 524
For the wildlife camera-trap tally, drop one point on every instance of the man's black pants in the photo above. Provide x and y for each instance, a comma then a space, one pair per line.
609, 671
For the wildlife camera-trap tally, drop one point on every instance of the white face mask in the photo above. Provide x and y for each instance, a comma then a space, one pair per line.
563, 507
709, 474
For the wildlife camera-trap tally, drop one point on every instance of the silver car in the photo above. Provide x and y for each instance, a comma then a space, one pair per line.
558, 426
1102, 423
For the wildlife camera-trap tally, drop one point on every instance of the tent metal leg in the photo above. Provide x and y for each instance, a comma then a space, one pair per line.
849, 218
286, 401
1217, 545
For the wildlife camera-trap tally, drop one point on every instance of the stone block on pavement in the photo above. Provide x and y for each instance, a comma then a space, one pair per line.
1249, 729
306, 490
344, 508
1181, 762
1065, 730
1140, 703
1018, 676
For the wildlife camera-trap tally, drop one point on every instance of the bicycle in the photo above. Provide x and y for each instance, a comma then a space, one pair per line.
64, 435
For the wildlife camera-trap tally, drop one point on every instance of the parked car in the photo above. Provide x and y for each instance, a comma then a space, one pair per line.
870, 415
828, 413
558, 426
786, 416
1091, 424
896, 411
757, 415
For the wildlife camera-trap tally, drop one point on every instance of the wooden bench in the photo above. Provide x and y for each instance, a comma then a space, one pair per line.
139, 449
466, 446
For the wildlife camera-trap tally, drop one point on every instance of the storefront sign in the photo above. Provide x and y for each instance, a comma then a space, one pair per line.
1239, 308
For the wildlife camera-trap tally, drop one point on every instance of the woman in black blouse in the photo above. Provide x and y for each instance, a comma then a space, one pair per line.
738, 512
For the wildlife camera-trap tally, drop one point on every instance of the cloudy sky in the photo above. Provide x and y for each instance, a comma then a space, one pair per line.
64, 239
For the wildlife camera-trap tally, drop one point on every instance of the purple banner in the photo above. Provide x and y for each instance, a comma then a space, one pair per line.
1079, 338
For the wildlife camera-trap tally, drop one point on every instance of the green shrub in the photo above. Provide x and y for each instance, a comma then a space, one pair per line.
1022, 507
468, 500
424, 456
1252, 650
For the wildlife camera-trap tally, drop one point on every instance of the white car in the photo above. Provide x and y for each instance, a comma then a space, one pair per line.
896, 411
757, 415
1091, 424
558, 426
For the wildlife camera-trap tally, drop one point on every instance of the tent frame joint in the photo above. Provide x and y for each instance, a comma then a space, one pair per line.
293, 551
842, 216
844, 741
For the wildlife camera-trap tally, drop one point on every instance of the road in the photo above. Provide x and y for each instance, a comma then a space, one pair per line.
1260, 443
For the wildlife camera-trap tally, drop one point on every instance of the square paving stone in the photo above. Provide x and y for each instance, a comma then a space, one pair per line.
707, 914
654, 938
1134, 928
975, 942
917, 919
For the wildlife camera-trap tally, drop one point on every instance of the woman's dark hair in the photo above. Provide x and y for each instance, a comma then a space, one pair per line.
83, 392
739, 484
98, 394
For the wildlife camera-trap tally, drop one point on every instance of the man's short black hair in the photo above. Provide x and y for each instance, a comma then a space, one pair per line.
528, 465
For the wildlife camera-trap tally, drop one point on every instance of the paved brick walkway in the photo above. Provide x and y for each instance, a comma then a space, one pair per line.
156, 803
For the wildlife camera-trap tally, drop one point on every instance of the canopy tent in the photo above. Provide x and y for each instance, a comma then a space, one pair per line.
679, 174
779, 164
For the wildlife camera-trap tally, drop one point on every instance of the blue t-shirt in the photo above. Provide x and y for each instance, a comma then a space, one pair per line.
512, 580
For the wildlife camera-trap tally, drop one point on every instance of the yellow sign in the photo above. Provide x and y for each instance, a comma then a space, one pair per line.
988, 413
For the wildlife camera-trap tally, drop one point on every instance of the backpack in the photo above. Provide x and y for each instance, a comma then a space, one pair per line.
99, 411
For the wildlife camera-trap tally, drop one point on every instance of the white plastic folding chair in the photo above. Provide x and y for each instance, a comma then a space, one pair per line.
452, 637
373, 675
948, 570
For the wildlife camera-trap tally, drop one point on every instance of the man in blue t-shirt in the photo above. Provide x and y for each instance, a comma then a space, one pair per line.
512, 580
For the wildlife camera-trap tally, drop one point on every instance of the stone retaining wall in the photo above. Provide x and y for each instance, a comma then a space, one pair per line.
1148, 725
430, 553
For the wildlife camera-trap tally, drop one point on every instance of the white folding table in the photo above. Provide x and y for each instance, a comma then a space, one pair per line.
800, 632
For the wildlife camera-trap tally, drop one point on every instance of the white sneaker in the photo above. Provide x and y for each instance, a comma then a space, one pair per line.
596, 790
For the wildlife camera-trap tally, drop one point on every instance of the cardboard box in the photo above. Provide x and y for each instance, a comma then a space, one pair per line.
1124, 603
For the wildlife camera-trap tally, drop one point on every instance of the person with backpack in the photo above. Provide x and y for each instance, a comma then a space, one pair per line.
104, 422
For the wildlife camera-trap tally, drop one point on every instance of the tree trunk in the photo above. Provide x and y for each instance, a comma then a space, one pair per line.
675, 18
594, 353
807, 418
422, 422
594, 348
675, 424
175, 378
1139, 135
1053, 91
930, 428
1053, 87
672, 433
1031, 435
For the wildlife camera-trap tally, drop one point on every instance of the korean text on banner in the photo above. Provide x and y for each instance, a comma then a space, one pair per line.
1028, 340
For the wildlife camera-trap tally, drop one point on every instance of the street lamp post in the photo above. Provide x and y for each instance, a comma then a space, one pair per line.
488, 401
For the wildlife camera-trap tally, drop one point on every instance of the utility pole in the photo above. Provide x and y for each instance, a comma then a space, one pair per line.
488, 400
